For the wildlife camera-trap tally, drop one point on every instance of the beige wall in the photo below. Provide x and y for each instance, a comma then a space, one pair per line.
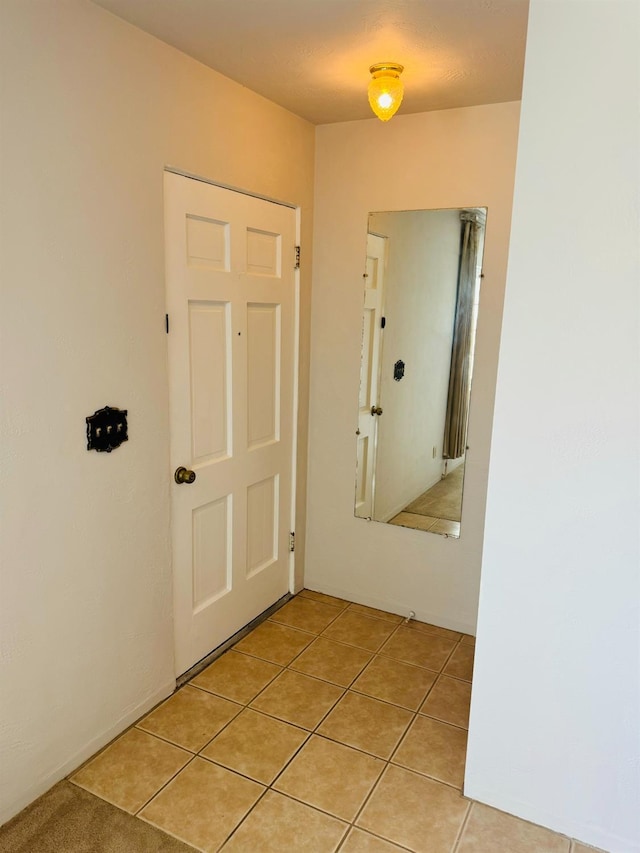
93, 110
454, 158
555, 716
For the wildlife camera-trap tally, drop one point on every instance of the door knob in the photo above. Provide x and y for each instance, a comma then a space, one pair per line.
376, 410
183, 475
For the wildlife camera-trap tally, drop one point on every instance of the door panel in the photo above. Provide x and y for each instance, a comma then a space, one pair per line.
230, 298
209, 342
369, 373
262, 524
211, 552
263, 374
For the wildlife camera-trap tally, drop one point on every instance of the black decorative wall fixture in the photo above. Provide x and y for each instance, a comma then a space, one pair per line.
398, 370
106, 429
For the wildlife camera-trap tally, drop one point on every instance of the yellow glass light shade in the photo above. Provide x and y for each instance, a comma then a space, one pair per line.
385, 89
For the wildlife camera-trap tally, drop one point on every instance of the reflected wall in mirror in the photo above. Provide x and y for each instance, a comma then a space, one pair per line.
422, 285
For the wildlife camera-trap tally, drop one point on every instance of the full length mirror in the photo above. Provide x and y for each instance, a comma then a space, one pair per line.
422, 285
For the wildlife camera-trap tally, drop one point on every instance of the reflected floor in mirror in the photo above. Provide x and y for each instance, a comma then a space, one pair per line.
437, 510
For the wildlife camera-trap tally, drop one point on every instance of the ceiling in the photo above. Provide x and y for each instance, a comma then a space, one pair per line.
313, 56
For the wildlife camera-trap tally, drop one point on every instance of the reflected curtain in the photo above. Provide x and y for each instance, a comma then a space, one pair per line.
455, 430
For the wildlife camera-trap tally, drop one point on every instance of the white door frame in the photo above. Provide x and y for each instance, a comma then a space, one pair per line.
296, 346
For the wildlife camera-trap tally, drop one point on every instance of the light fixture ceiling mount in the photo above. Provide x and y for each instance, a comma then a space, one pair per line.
385, 89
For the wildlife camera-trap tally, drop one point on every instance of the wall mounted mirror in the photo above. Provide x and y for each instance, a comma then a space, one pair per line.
422, 285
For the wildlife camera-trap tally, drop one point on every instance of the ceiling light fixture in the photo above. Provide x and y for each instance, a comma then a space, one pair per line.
385, 89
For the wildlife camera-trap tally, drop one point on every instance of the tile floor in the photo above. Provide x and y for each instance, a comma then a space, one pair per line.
438, 509
427, 522
331, 726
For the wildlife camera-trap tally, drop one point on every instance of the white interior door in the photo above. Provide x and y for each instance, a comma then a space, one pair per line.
230, 299
370, 373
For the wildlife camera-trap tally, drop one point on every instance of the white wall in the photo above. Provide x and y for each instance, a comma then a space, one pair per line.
555, 718
420, 301
453, 158
93, 110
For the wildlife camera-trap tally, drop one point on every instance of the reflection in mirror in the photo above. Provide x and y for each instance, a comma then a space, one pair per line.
422, 283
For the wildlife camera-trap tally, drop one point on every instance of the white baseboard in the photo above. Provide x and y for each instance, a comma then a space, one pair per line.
41, 786
406, 501
454, 624
595, 836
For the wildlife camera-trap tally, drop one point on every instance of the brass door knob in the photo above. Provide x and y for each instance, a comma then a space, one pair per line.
183, 475
376, 410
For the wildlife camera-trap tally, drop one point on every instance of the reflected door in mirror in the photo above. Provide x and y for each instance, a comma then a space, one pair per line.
370, 373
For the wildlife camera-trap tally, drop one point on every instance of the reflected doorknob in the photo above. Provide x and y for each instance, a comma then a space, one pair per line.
183, 475
376, 410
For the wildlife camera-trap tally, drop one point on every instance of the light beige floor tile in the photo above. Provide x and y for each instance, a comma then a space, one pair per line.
488, 830
279, 824
446, 527
449, 701
434, 629
414, 521
237, 677
419, 648
366, 724
378, 614
468, 640
255, 745
434, 748
461, 663
131, 770
306, 614
331, 777
358, 630
396, 682
325, 599
298, 699
190, 718
203, 804
362, 842
332, 661
415, 812
275, 643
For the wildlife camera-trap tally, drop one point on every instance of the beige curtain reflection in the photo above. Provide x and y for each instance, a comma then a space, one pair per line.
455, 430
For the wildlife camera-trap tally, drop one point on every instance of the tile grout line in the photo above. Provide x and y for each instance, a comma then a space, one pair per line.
400, 624
162, 787
322, 604
265, 787
288, 797
415, 713
221, 696
463, 826
243, 707
230, 642
314, 732
388, 763
385, 769
172, 835
377, 654
353, 827
310, 733
166, 740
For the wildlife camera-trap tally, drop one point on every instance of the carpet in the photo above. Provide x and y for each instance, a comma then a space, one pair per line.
69, 820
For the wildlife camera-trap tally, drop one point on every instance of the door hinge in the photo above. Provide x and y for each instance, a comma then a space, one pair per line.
292, 542
297, 266
166, 322
383, 322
